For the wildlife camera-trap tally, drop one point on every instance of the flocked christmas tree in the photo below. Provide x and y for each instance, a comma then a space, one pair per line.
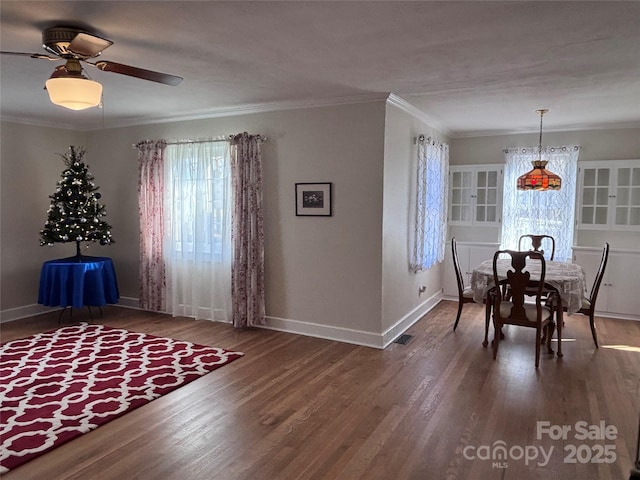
75, 215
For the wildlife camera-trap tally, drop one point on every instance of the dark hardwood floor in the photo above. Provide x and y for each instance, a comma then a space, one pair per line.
297, 407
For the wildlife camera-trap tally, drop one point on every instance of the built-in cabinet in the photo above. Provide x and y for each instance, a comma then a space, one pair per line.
470, 254
609, 195
607, 199
619, 294
475, 195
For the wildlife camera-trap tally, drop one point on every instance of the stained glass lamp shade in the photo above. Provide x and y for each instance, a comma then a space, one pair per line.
539, 178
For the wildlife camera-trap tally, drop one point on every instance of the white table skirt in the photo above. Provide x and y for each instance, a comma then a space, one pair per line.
567, 278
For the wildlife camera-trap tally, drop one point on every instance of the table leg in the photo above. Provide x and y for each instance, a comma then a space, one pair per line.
559, 321
60, 316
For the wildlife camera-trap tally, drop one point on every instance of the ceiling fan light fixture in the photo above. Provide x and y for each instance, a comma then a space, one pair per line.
539, 178
69, 88
74, 93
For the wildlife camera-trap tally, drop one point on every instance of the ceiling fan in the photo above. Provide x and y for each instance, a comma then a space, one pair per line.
77, 46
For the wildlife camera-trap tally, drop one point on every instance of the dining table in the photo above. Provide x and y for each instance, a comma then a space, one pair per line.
567, 279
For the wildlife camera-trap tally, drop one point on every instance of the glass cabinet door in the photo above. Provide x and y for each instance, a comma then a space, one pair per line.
595, 196
461, 196
627, 198
610, 195
475, 194
487, 196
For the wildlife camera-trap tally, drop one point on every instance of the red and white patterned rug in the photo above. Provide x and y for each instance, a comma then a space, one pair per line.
57, 385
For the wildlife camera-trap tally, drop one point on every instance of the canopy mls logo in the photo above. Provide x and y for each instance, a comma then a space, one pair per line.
500, 453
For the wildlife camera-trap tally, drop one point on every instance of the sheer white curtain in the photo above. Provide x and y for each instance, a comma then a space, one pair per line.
197, 247
549, 212
430, 211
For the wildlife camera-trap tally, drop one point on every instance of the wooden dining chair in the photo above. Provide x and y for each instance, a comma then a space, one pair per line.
516, 311
536, 243
465, 294
589, 304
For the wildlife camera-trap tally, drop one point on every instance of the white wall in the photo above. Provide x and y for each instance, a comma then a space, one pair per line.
401, 303
618, 144
29, 169
323, 274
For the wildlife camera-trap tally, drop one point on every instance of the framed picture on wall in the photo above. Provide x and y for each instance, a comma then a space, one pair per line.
313, 199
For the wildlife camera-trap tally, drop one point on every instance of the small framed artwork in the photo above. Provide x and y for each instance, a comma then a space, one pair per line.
313, 199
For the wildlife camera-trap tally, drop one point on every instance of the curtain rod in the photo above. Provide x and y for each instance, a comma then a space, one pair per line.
204, 140
188, 142
427, 139
551, 149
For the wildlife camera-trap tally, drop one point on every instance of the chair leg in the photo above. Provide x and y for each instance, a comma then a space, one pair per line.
496, 337
547, 335
593, 328
455, 325
487, 317
538, 341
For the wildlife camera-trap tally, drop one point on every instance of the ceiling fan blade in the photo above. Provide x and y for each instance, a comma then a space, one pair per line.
137, 72
87, 45
32, 55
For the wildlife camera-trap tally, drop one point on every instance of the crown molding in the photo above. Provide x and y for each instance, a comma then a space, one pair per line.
214, 113
252, 109
39, 123
571, 128
415, 112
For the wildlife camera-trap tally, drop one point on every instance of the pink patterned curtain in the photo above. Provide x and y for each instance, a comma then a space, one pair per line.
151, 213
247, 231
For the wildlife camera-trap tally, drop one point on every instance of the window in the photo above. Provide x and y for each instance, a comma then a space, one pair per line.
548, 212
197, 205
197, 229
430, 233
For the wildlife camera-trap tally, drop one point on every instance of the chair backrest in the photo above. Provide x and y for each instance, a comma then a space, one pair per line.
598, 280
536, 243
456, 266
520, 282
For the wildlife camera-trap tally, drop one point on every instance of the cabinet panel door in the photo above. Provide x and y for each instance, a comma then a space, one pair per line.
622, 278
477, 255
450, 282
470, 256
590, 261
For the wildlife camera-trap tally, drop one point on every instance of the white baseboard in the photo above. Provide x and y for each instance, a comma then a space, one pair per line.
328, 332
348, 335
599, 313
12, 314
409, 319
129, 302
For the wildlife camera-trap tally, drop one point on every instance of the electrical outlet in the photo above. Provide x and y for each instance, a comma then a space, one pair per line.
422, 289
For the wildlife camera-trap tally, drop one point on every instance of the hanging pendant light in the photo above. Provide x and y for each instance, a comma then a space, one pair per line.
539, 178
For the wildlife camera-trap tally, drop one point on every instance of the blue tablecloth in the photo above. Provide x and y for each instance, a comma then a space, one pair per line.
67, 282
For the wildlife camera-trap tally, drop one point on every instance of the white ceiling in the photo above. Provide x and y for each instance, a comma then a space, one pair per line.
473, 68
